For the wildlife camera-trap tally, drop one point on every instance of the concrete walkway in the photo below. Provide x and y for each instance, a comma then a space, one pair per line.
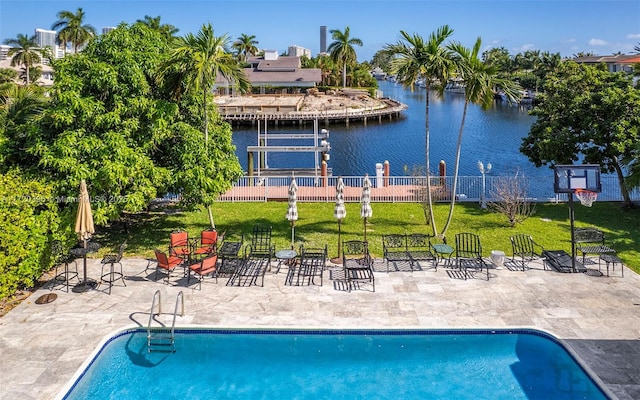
43, 345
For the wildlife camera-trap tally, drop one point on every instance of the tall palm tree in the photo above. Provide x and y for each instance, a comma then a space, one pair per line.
245, 46
481, 81
342, 51
167, 30
24, 51
73, 29
416, 58
194, 62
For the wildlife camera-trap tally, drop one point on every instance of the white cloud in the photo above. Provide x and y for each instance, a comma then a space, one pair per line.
525, 47
597, 42
633, 36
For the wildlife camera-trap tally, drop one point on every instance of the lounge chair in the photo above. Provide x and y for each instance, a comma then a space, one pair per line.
357, 263
166, 263
469, 253
311, 265
261, 245
525, 250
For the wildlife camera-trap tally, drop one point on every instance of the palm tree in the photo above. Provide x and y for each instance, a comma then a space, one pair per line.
195, 61
342, 51
167, 30
245, 46
24, 51
481, 81
416, 58
73, 29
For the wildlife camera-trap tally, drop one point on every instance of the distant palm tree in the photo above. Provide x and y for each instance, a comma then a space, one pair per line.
73, 29
481, 81
24, 51
167, 30
416, 58
195, 61
342, 51
246, 46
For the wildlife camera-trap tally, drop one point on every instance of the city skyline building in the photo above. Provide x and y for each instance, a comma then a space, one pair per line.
108, 29
323, 39
298, 51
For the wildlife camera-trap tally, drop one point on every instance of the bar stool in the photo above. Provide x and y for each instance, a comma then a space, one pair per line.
112, 260
63, 258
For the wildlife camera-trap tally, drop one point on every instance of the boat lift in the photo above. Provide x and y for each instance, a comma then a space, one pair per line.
321, 148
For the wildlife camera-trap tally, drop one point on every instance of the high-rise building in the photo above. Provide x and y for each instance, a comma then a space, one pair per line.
107, 29
46, 38
298, 51
323, 39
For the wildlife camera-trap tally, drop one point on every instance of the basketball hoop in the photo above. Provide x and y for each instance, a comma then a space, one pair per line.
586, 197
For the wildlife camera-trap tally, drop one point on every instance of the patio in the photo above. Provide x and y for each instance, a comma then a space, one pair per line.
43, 345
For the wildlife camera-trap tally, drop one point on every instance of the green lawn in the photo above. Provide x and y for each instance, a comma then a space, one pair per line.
550, 226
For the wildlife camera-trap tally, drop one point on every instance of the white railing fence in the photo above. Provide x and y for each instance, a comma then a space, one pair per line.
401, 189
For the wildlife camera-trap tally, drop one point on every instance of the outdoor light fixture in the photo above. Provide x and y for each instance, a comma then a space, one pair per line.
484, 171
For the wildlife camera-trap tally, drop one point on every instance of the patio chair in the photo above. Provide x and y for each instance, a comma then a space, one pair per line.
261, 245
357, 263
166, 263
525, 249
208, 266
229, 252
179, 244
208, 243
62, 260
111, 260
310, 266
469, 253
248, 271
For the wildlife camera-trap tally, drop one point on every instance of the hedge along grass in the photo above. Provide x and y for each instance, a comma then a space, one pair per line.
549, 226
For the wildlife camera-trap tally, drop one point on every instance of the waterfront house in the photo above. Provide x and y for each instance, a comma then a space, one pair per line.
615, 63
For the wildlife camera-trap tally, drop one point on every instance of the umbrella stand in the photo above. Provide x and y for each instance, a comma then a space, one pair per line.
87, 283
365, 228
338, 260
293, 235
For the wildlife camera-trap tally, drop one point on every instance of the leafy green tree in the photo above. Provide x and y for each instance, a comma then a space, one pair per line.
382, 60
481, 81
586, 114
166, 30
500, 58
194, 63
7, 75
25, 52
73, 29
342, 51
245, 46
416, 58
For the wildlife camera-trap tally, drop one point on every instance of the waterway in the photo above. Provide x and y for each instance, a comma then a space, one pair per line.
491, 136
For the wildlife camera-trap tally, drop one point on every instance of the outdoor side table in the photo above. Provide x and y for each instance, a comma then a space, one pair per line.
286, 257
612, 259
443, 253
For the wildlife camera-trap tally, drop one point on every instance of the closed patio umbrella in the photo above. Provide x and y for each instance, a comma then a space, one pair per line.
339, 212
84, 223
365, 203
292, 211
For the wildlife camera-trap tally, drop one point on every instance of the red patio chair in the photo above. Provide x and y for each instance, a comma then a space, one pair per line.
208, 266
167, 263
208, 243
179, 244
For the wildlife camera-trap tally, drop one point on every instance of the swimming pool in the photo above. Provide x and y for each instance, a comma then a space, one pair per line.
353, 364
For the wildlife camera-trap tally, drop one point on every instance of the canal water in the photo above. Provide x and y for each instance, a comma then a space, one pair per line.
491, 136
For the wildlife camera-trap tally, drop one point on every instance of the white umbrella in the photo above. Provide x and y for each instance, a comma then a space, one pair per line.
365, 203
340, 212
84, 222
292, 211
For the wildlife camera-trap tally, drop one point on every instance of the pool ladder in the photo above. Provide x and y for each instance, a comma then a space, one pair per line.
163, 339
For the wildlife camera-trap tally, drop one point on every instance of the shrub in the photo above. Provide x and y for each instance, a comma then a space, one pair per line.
30, 219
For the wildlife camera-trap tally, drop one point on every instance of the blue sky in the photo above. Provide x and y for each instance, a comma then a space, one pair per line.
558, 26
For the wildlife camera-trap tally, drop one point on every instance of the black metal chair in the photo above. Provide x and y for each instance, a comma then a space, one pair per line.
469, 253
261, 245
229, 253
63, 258
310, 266
525, 249
357, 263
111, 260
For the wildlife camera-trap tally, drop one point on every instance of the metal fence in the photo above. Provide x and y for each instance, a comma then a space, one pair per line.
397, 189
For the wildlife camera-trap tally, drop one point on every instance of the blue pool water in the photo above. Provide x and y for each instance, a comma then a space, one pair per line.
363, 364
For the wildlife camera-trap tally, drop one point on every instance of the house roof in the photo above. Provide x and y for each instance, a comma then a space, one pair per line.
619, 59
284, 71
47, 70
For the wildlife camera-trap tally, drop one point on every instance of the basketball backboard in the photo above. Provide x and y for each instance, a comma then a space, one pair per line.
568, 178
